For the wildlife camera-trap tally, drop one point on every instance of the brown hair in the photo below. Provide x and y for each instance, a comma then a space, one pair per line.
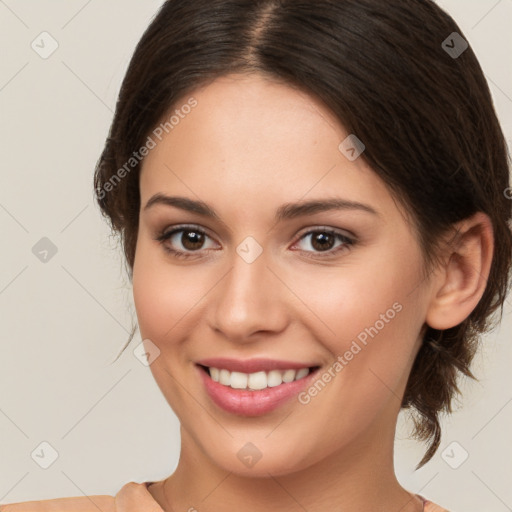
424, 114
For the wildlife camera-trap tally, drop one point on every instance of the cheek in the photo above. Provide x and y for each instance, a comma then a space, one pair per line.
370, 315
165, 295
345, 302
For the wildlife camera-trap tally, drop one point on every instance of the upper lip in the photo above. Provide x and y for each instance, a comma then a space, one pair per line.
252, 365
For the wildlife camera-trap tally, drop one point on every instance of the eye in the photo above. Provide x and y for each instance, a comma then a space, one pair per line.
188, 239
192, 240
323, 240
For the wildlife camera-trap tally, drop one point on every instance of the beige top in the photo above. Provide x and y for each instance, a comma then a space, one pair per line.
132, 497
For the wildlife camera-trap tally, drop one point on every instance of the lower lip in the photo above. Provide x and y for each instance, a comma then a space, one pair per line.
252, 403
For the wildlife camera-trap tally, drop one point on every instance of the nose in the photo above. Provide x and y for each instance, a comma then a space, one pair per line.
249, 301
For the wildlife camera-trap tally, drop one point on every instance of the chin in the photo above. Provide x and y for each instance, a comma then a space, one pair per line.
251, 461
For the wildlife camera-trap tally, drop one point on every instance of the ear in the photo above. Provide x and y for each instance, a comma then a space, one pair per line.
461, 281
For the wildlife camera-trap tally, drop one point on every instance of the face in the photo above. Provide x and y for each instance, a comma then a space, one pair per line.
336, 290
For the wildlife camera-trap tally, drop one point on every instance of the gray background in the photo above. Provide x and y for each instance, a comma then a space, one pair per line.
64, 320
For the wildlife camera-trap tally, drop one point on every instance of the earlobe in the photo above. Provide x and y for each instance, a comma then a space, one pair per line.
462, 281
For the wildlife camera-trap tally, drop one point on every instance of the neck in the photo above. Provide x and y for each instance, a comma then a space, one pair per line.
356, 478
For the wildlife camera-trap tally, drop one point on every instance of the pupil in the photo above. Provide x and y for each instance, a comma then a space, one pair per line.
192, 240
322, 238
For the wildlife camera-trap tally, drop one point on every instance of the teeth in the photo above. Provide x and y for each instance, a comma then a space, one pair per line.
274, 378
257, 380
302, 373
238, 380
225, 377
289, 375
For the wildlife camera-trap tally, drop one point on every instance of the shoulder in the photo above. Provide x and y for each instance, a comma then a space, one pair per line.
432, 507
103, 502
131, 497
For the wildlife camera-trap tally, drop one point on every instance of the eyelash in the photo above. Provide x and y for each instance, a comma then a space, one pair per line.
166, 235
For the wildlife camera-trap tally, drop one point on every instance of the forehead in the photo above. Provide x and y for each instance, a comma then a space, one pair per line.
252, 138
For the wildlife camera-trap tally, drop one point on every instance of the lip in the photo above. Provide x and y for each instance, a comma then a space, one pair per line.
253, 365
252, 403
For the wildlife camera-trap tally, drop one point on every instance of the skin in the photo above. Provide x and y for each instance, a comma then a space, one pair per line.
249, 146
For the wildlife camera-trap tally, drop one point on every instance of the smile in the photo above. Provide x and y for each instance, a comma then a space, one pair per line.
253, 387
257, 380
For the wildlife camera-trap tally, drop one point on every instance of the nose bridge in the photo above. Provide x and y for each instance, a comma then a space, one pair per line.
246, 300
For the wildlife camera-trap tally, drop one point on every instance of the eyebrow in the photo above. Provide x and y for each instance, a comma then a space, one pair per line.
286, 211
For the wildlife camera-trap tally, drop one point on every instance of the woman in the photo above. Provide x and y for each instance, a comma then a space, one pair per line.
311, 202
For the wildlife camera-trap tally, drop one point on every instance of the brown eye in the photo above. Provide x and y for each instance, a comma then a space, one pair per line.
324, 240
191, 240
184, 240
